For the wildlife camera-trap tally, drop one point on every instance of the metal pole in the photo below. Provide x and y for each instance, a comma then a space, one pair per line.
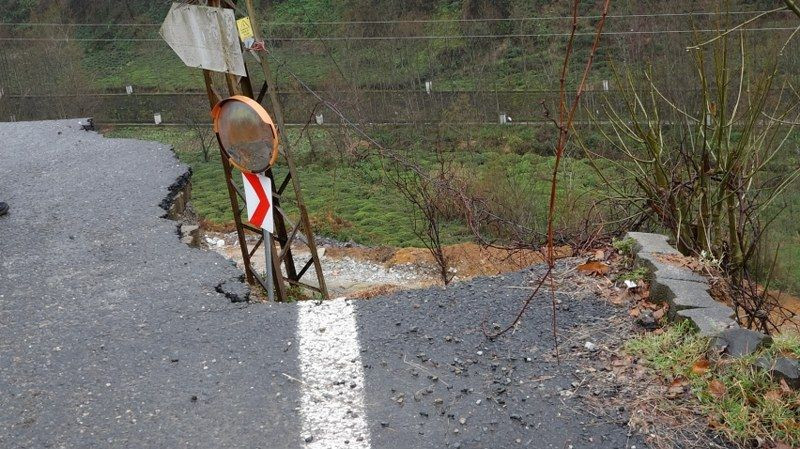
270, 266
287, 154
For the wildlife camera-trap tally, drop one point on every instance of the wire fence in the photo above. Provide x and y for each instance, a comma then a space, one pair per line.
500, 71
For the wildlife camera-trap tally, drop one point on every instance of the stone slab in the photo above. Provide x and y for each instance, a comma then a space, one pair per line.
782, 368
709, 321
651, 243
667, 270
740, 342
681, 294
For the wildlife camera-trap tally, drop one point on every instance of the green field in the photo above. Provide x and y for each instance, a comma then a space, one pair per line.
351, 200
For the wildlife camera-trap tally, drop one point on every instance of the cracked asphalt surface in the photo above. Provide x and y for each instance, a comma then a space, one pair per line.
112, 333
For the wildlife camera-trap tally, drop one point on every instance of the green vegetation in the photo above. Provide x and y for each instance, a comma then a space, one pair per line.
624, 246
352, 200
741, 401
635, 275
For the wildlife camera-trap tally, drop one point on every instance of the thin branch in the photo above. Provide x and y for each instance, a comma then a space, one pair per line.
743, 24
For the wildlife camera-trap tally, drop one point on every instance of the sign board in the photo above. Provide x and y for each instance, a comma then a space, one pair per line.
128, 89
245, 32
258, 196
204, 37
157, 118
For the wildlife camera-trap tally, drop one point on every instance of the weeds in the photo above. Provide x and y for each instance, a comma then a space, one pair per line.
624, 246
635, 275
741, 401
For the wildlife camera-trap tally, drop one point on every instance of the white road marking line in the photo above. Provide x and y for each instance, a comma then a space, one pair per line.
332, 403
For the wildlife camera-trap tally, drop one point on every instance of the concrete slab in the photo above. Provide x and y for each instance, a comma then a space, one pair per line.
667, 270
651, 243
681, 294
782, 368
709, 321
740, 342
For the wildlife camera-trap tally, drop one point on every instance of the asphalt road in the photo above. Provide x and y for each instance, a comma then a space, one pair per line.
112, 333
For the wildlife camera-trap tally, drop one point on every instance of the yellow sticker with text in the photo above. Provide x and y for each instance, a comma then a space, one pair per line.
245, 29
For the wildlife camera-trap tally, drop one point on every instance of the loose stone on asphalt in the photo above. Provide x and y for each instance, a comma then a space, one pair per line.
113, 332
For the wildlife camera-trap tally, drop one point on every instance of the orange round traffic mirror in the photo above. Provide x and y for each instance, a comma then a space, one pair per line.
246, 132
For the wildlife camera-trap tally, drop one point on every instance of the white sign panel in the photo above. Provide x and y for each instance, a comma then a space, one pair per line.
204, 37
258, 196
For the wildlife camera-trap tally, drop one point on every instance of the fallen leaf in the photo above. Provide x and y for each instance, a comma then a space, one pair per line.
701, 366
658, 314
634, 313
785, 387
619, 298
717, 389
714, 424
594, 268
599, 255
782, 445
773, 395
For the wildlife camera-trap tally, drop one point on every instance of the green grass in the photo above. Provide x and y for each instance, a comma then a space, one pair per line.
352, 200
624, 246
635, 275
742, 402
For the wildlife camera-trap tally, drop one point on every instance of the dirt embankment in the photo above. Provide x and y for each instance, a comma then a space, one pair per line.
359, 271
465, 259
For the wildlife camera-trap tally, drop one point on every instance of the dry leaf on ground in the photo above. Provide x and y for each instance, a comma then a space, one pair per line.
650, 305
773, 395
701, 366
619, 298
594, 268
717, 389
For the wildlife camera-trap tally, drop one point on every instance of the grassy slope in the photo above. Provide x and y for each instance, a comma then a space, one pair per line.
456, 63
352, 202
742, 402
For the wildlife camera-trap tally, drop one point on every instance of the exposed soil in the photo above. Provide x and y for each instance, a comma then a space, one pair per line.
359, 271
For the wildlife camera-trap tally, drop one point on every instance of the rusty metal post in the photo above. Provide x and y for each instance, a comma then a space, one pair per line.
213, 98
287, 154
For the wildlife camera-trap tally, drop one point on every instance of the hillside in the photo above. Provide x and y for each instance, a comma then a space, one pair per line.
498, 56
